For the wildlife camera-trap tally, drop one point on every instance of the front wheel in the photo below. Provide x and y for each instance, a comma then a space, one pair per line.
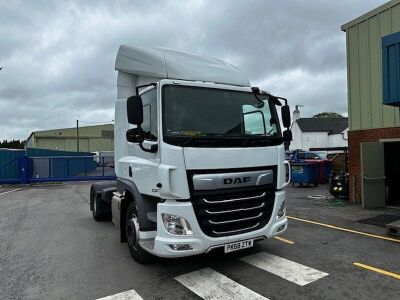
132, 236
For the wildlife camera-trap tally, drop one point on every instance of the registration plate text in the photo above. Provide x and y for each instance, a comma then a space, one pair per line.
238, 245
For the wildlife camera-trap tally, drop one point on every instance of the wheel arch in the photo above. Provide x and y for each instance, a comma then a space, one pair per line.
98, 187
130, 194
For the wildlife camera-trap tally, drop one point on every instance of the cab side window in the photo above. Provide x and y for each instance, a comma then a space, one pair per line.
149, 125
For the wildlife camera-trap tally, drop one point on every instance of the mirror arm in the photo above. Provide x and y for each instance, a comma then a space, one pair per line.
153, 148
144, 85
284, 99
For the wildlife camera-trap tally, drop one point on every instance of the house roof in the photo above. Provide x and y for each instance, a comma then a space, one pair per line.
332, 125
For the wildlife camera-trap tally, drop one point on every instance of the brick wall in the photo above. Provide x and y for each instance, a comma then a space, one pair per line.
356, 137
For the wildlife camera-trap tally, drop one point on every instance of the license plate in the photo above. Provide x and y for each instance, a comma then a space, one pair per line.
238, 245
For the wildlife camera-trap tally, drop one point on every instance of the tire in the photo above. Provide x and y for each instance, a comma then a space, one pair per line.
132, 227
94, 205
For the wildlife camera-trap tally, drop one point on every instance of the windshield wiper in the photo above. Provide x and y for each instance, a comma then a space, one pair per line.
207, 138
189, 140
253, 139
249, 139
197, 137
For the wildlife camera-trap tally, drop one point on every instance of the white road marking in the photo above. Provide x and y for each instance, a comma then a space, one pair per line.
209, 284
284, 268
14, 190
128, 295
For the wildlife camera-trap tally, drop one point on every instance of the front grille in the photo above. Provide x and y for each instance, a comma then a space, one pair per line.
228, 212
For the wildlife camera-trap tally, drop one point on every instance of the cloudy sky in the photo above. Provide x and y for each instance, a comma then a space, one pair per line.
58, 57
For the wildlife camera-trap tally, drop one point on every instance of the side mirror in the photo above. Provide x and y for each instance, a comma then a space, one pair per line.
135, 135
134, 107
285, 111
287, 138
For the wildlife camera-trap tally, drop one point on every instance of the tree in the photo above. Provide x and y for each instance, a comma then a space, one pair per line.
328, 114
14, 144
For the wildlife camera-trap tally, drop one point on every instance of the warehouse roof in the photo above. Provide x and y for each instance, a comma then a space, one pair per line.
71, 131
332, 125
370, 14
165, 63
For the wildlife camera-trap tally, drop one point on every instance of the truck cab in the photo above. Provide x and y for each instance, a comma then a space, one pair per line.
199, 156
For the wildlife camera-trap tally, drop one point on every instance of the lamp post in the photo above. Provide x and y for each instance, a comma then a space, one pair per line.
77, 135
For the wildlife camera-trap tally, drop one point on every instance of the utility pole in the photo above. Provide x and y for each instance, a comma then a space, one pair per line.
77, 135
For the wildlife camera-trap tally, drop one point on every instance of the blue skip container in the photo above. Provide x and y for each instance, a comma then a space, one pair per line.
305, 173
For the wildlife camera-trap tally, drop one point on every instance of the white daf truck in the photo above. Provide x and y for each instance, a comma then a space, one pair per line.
199, 157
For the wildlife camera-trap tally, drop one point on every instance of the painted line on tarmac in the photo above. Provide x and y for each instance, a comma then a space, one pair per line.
128, 295
209, 284
380, 271
284, 240
284, 268
14, 190
347, 230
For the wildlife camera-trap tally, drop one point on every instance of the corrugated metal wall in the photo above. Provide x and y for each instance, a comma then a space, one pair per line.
9, 163
364, 70
33, 152
62, 164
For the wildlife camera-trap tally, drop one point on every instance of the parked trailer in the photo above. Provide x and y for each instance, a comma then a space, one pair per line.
199, 157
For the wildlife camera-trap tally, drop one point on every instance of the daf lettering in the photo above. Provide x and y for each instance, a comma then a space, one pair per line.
237, 180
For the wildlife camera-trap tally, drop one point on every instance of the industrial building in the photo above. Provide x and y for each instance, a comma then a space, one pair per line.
91, 139
373, 76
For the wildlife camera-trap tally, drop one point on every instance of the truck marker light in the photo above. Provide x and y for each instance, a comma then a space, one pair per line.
176, 225
282, 211
181, 247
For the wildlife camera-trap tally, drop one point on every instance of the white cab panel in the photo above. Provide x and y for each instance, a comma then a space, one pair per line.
228, 158
172, 173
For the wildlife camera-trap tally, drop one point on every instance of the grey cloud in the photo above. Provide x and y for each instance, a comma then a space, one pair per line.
58, 57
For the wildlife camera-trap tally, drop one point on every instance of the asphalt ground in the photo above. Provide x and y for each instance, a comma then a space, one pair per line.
51, 248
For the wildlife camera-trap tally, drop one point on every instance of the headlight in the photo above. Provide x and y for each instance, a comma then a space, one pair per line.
176, 225
282, 210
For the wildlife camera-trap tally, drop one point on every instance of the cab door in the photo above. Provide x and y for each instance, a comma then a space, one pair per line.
143, 166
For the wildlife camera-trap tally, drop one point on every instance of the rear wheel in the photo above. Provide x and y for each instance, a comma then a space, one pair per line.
95, 207
132, 236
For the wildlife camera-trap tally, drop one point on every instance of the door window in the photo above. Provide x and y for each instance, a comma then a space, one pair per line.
149, 125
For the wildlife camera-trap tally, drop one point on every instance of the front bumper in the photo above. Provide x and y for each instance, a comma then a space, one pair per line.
199, 242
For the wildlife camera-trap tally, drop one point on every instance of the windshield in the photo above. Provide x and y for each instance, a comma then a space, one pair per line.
207, 116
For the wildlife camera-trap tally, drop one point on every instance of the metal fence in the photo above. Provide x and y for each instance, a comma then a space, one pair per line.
42, 165
9, 165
